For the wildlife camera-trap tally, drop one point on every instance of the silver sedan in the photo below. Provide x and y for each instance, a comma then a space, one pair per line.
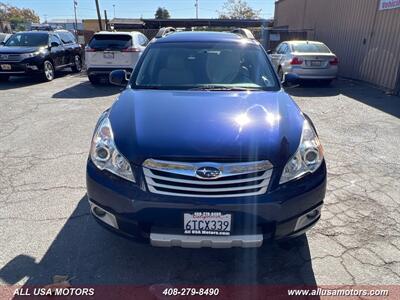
306, 59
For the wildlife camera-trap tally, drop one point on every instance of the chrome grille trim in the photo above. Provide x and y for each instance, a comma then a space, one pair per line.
206, 188
10, 57
149, 174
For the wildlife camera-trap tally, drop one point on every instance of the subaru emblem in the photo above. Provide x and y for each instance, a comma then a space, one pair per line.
208, 173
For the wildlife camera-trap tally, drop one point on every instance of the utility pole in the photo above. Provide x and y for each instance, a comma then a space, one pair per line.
114, 10
76, 20
106, 20
197, 8
98, 15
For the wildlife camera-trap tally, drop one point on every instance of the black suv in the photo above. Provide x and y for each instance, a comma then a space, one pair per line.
43, 52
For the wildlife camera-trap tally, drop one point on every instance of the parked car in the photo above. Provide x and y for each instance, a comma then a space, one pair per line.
108, 51
3, 38
205, 149
39, 52
307, 59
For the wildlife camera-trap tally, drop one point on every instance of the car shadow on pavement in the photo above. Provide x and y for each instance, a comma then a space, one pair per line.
85, 90
91, 255
358, 91
24, 81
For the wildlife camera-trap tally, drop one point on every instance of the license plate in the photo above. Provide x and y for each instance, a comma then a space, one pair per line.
108, 55
5, 67
315, 63
207, 223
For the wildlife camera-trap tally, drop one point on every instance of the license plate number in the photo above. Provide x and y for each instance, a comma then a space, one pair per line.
108, 55
315, 63
5, 67
207, 223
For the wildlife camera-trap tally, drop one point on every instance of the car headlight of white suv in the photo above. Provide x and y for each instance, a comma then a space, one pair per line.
105, 154
308, 157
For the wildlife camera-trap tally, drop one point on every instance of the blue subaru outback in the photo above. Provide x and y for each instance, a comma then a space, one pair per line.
205, 149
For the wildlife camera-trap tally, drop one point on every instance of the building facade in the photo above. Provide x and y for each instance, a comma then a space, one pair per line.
365, 34
68, 24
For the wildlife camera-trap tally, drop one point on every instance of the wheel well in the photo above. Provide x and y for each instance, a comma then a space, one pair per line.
48, 59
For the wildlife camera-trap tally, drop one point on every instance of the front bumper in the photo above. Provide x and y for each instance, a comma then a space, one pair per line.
22, 68
129, 209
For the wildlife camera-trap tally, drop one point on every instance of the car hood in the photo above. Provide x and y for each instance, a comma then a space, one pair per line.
206, 125
18, 50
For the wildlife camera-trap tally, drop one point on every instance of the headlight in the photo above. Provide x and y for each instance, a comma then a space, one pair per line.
29, 55
104, 153
307, 158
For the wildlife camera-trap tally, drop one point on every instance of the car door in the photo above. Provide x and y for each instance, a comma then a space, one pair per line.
57, 51
277, 55
67, 43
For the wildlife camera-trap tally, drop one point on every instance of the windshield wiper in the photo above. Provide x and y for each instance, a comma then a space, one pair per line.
224, 88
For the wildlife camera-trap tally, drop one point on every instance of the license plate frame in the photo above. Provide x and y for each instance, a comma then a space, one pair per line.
207, 223
315, 63
5, 67
108, 55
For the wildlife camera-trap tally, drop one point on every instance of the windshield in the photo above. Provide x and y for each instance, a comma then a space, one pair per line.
310, 48
200, 65
28, 40
110, 41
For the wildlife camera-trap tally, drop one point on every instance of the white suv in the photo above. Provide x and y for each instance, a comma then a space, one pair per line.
108, 51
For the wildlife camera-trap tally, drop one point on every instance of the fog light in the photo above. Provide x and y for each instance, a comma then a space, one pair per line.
313, 214
99, 212
35, 68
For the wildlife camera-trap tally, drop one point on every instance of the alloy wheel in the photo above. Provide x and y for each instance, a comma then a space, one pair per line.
78, 63
48, 70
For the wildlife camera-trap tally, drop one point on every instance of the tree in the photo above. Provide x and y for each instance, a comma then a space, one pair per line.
238, 9
17, 16
162, 13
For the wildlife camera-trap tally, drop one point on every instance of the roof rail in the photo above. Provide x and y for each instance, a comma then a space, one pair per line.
165, 31
244, 33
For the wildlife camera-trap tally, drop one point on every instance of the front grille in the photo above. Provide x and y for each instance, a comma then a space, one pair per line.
181, 179
10, 57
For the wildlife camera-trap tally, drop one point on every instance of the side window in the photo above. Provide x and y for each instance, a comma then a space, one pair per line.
142, 40
282, 49
72, 38
55, 39
287, 49
278, 48
66, 37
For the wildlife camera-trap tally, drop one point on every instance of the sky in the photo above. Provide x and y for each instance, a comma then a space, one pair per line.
86, 9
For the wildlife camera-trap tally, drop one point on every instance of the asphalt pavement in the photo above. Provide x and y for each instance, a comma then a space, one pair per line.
46, 229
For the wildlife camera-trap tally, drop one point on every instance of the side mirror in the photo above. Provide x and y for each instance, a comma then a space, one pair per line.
2, 43
119, 77
54, 44
290, 78
270, 51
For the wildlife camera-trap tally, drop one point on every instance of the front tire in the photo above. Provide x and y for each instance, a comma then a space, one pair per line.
48, 71
77, 67
280, 74
326, 82
4, 77
94, 79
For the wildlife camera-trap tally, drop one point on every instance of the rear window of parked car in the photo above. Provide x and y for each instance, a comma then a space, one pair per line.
110, 41
310, 48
